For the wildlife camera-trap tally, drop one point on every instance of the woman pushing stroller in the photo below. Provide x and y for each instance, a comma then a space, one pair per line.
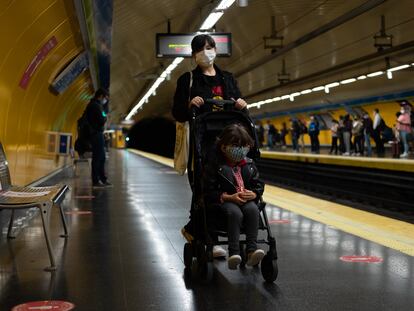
232, 189
206, 81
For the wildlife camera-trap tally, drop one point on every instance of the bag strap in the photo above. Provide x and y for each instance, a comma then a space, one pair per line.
190, 85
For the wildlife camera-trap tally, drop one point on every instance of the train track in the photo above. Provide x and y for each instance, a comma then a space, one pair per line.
385, 192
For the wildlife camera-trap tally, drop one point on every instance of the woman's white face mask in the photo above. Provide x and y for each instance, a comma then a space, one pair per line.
205, 58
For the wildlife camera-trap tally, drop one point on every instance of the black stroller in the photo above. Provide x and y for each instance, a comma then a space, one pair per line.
204, 129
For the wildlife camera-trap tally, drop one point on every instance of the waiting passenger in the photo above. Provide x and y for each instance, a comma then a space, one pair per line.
357, 133
283, 132
334, 136
368, 131
347, 130
232, 187
341, 135
208, 81
303, 131
271, 134
404, 128
96, 117
313, 131
378, 127
295, 133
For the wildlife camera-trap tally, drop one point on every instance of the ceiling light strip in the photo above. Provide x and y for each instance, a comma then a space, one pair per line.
328, 86
208, 23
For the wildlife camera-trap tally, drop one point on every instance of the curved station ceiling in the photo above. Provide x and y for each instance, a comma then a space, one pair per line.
325, 43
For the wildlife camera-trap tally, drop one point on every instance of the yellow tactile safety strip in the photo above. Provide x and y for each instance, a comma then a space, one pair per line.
391, 233
163, 160
385, 231
404, 165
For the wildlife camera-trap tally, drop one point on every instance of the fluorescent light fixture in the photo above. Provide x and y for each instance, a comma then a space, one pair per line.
389, 74
153, 88
363, 77
295, 94
306, 91
347, 81
326, 90
333, 84
375, 74
225, 4
276, 99
399, 68
285, 97
291, 97
318, 88
267, 101
211, 20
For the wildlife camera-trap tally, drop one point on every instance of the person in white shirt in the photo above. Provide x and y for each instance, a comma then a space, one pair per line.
378, 127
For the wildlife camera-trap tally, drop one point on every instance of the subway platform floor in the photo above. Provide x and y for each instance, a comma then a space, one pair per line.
125, 250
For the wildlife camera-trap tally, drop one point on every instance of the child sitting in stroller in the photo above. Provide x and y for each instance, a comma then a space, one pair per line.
232, 188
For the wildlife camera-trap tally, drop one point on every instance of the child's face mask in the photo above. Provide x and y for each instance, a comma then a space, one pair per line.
205, 58
236, 153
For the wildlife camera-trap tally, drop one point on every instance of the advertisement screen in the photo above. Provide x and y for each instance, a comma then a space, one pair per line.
179, 45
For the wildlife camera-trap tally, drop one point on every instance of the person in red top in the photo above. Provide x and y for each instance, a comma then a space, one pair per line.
232, 189
404, 127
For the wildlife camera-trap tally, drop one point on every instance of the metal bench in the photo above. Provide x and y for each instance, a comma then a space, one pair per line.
44, 198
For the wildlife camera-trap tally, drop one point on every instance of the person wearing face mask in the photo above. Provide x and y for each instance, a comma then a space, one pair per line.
96, 117
232, 189
206, 81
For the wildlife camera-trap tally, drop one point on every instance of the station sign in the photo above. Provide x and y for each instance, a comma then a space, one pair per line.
179, 44
54, 305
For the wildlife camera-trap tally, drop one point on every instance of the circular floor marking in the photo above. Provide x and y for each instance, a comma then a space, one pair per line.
54, 305
368, 259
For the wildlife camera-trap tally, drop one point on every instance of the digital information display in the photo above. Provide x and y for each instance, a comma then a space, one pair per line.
179, 45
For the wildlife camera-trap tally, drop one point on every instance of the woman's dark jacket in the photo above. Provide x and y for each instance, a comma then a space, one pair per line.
200, 88
218, 178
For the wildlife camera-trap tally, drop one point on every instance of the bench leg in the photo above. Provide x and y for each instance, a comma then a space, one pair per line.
9, 231
44, 210
63, 218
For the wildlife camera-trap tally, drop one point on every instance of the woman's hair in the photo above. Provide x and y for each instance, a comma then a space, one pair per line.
199, 41
234, 134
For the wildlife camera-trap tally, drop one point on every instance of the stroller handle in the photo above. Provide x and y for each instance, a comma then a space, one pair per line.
224, 104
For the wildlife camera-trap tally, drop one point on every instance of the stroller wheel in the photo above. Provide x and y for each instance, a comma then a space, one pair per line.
188, 255
269, 268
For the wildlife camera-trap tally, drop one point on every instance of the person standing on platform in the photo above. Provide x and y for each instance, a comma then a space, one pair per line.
357, 133
368, 130
346, 133
271, 134
96, 117
378, 127
334, 135
283, 133
206, 81
295, 132
313, 131
404, 128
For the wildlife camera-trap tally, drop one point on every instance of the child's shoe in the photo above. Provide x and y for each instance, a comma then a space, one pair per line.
234, 261
219, 251
255, 257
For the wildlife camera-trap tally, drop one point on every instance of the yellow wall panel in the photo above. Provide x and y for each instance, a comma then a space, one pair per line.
26, 115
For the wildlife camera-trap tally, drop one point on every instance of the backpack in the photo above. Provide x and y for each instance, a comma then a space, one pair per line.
85, 129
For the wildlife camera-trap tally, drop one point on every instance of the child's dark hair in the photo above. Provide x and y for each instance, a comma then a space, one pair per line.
199, 41
234, 134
